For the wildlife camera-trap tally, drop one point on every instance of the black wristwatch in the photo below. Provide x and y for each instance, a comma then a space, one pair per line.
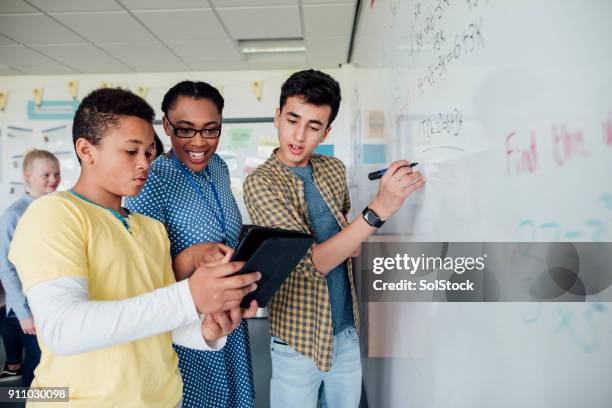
372, 218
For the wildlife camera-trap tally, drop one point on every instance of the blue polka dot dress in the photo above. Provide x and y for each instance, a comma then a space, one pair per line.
211, 379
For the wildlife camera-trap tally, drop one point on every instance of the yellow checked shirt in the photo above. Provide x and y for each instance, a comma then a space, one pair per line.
300, 312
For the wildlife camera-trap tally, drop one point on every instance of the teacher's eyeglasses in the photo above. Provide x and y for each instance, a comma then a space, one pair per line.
186, 133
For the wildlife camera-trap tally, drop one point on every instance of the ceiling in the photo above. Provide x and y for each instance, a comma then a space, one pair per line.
48, 37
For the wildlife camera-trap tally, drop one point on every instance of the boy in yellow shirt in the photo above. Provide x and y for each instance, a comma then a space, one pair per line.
99, 279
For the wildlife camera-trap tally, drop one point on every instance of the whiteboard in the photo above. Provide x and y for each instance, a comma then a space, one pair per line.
507, 106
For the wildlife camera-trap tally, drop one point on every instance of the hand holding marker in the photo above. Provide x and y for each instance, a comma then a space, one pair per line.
397, 182
375, 175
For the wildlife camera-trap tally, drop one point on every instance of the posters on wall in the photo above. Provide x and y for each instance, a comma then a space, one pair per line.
243, 147
241, 138
376, 124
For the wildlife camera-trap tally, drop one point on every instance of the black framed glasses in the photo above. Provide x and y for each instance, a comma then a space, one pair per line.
186, 133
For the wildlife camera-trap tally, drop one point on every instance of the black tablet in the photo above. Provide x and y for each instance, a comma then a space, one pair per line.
251, 236
274, 253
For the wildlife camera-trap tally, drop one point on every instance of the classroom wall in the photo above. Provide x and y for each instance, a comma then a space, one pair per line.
240, 102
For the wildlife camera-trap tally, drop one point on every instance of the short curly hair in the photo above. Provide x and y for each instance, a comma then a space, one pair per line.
102, 109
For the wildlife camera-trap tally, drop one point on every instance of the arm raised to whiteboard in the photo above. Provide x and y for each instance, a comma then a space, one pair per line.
398, 182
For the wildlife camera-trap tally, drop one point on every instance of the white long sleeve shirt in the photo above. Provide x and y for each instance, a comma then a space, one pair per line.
70, 323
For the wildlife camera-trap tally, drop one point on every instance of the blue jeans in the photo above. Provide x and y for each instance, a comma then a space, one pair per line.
296, 379
13, 338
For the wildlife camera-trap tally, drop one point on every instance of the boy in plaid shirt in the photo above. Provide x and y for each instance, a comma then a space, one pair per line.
314, 317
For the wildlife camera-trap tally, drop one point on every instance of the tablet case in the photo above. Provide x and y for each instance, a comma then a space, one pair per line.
274, 253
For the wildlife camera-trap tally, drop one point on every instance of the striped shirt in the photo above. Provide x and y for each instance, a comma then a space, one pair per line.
300, 312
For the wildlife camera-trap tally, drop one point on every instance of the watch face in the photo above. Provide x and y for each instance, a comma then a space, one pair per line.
371, 218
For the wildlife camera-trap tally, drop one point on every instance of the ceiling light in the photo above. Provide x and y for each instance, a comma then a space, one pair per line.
272, 50
276, 46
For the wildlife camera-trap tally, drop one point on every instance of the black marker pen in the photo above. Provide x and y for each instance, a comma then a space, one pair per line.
375, 175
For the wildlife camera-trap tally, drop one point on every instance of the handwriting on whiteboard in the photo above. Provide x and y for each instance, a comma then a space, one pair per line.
567, 144
580, 323
523, 153
447, 123
447, 47
590, 229
464, 44
549, 231
521, 157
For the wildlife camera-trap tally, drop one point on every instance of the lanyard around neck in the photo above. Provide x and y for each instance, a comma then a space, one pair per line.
196, 187
116, 214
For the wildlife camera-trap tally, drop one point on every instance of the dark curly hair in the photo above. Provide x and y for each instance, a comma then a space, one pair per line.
102, 109
195, 90
315, 87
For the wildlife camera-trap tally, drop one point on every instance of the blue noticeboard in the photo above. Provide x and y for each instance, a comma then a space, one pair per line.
374, 153
326, 149
52, 110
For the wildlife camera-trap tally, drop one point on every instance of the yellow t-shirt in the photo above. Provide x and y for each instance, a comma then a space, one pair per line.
62, 235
